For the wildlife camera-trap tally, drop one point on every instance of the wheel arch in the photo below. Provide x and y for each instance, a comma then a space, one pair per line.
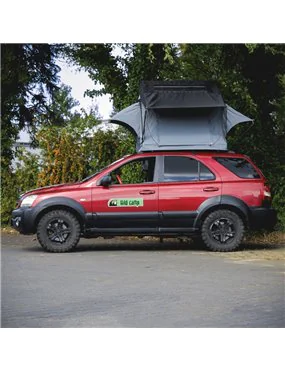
226, 203
59, 203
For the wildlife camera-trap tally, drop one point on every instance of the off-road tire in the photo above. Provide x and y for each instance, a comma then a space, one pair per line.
233, 223
69, 220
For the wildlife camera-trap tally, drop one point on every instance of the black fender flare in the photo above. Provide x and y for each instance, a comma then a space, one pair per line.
58, 202
219, 202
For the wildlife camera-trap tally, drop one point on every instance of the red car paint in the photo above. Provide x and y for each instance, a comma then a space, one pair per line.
165, 196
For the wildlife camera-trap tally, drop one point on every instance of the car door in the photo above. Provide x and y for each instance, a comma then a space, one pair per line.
130, 202
185, 184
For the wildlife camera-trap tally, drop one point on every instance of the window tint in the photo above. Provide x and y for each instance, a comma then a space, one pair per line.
135, 172
179, 169
239, 166
205, 173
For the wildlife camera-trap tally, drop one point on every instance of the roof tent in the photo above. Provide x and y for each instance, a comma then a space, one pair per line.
179, 115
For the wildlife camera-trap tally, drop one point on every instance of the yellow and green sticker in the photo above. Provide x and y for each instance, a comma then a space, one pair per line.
125, 202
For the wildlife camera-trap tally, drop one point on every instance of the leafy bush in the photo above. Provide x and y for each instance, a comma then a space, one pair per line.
17, 181
8, 193
279, 203
73, 152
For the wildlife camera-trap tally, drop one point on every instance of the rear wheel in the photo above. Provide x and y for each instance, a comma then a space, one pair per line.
58, 231
222, 230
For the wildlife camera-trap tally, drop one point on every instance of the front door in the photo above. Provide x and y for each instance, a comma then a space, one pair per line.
130, 202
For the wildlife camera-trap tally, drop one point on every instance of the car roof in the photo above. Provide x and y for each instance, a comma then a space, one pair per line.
191, 153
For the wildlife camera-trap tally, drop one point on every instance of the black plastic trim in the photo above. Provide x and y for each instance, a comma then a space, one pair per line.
236, 202
23, 217
177, 219
262, 218
89, 216
96, 232
179, 214
121, 231
29, 215
144, 215
129, 220
176, 230
218, 202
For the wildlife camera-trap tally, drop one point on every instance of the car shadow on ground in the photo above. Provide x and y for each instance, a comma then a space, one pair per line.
152, 245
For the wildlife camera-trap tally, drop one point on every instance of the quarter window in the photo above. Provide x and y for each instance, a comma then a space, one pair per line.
181, 169
205, 173
239, 166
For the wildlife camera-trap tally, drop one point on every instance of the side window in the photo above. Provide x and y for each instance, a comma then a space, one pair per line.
239, 166
180, 169
135, 172
205, 173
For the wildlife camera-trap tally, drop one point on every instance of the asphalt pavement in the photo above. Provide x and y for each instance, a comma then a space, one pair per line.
136, 283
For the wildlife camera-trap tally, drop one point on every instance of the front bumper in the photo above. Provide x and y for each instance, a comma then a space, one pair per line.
22, 220
262, 218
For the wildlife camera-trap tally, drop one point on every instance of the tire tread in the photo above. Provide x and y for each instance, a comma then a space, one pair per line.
222, 247
43, 240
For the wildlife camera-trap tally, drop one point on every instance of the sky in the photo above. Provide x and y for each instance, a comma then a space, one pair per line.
80, 82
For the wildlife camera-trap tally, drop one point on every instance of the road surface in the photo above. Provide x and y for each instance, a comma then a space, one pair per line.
136, 283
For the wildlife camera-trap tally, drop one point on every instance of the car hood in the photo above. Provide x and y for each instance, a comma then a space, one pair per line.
52, 188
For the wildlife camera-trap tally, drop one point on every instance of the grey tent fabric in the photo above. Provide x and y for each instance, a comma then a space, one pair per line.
174, 128
130, 117
234, 117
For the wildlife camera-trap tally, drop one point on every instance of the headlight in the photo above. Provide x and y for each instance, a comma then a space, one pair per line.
28, 201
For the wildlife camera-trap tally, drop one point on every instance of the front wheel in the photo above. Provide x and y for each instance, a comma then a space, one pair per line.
222, 230
58, 231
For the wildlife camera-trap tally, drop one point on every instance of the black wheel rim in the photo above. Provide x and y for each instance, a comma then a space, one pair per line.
58, 231
222, 230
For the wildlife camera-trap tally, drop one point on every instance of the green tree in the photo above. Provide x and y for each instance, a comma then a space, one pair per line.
28, 78
119, 68
62, 106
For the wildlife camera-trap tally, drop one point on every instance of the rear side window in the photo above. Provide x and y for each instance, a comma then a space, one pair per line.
181, 169
239, 166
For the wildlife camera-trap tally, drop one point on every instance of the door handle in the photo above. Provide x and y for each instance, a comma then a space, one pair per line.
147, 192
210, 189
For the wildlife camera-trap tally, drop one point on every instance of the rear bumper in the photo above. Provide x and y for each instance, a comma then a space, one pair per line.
262, 218
22, 220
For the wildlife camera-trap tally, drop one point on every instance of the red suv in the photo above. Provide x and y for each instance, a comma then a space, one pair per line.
212, 195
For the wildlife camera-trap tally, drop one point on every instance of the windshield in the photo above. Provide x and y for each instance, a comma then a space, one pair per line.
104, 168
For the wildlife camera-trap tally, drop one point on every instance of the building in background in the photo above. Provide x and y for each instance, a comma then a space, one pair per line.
24, 141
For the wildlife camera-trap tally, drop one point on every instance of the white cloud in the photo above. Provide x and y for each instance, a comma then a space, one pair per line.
79, 81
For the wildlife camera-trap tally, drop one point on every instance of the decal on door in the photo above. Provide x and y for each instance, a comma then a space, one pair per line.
125, 202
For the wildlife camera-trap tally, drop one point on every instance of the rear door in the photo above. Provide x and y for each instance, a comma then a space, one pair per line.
185, 183
241, 179
130, 203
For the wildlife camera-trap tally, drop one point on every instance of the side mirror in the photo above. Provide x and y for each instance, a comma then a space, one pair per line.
105, 181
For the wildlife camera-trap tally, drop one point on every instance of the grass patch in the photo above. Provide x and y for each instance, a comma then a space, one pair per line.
265, 238
8, 230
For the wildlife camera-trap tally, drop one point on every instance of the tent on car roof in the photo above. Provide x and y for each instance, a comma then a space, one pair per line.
179, 115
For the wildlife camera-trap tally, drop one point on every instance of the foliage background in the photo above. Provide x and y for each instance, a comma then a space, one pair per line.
251, 78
